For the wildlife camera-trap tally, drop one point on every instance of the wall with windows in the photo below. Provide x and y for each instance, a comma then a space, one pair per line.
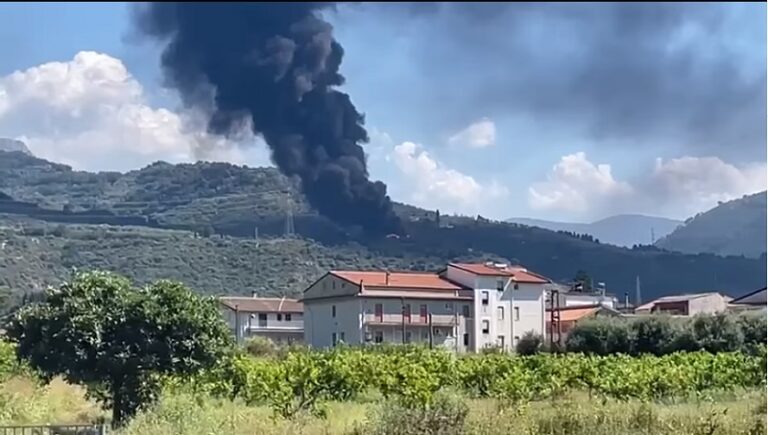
394, 320
329, 321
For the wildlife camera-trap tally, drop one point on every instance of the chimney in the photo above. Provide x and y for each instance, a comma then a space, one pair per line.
387, 278
254, 294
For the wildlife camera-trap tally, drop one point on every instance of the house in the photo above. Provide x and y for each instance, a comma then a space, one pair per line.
279, 319
571, 316
568, 297
464, 307
686, 305
755, 300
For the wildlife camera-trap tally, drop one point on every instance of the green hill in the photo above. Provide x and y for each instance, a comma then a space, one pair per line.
144, 224
732, 228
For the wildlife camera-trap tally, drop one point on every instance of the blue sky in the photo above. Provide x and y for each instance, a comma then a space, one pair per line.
549, 112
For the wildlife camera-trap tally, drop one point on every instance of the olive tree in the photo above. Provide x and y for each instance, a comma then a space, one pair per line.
120, 341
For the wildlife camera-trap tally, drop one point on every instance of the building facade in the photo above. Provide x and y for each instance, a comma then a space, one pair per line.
279, 319
686, 305
464, 308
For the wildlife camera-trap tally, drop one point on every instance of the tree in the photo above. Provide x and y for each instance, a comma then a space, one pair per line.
119, 341
583, 279
530, 343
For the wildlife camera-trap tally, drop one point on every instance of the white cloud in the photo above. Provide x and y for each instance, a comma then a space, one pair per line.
91, 113
698, 183
479, 134
575, 184
677, 187
431, 184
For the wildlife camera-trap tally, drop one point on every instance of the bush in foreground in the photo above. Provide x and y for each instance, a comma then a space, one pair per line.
119, 341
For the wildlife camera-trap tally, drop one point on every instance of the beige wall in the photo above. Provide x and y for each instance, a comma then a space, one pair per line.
707, 304
320, 324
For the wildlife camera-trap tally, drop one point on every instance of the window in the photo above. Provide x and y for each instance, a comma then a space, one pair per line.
333, 339
517, 338
334, 285
378, 337
378, 312
343, 285
501, 313
486, 326
408, 337
425, 335
517, 313
466, 339
333, 310
436, 332
279, 317
341, 336
465, 311
500, 285
485, 298
262, 319
500, 340
287, 317
423, 313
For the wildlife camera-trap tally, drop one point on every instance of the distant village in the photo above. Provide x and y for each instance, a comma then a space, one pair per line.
466, 307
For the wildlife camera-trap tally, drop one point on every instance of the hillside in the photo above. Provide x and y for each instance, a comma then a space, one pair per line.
620, 230
11, 145
54, 221
735, 227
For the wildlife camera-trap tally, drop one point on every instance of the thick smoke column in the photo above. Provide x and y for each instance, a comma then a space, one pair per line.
277, 64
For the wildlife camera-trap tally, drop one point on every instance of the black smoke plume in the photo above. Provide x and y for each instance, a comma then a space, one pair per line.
277, 64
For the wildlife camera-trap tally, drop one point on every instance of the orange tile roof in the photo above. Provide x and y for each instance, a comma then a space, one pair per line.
415, 280
518, 274
262, 305
573, 314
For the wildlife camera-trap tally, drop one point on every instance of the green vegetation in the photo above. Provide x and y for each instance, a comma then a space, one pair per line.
732, 228
218, 198
660, 335
161, 358
119, 341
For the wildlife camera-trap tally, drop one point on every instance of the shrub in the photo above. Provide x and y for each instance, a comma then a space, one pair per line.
717, 333
600, 337
445, 416
530, 343
260, 346
654, 335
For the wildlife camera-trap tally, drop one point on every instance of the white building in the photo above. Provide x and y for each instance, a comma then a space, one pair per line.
465, 307
279, 319
686, 305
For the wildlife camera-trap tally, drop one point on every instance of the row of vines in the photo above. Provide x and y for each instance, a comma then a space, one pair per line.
302, 380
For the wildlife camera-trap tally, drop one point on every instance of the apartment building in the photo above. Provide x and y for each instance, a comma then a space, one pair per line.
464, 307
279, 319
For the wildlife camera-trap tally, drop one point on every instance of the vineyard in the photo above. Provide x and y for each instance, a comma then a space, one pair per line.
303, 380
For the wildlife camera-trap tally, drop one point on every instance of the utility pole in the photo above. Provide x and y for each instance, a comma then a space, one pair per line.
402, 314
638, 296
554, 315
431, 337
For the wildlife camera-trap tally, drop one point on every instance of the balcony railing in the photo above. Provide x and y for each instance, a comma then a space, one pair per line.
276, 326
414, 320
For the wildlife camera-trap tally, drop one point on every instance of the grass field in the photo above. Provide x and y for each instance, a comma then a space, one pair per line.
23, 402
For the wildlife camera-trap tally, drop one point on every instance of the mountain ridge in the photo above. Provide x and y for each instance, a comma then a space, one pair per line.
735, 227
184, 214
620, 230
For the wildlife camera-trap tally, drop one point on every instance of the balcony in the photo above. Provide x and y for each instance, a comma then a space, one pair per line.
413, 320
276, 327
